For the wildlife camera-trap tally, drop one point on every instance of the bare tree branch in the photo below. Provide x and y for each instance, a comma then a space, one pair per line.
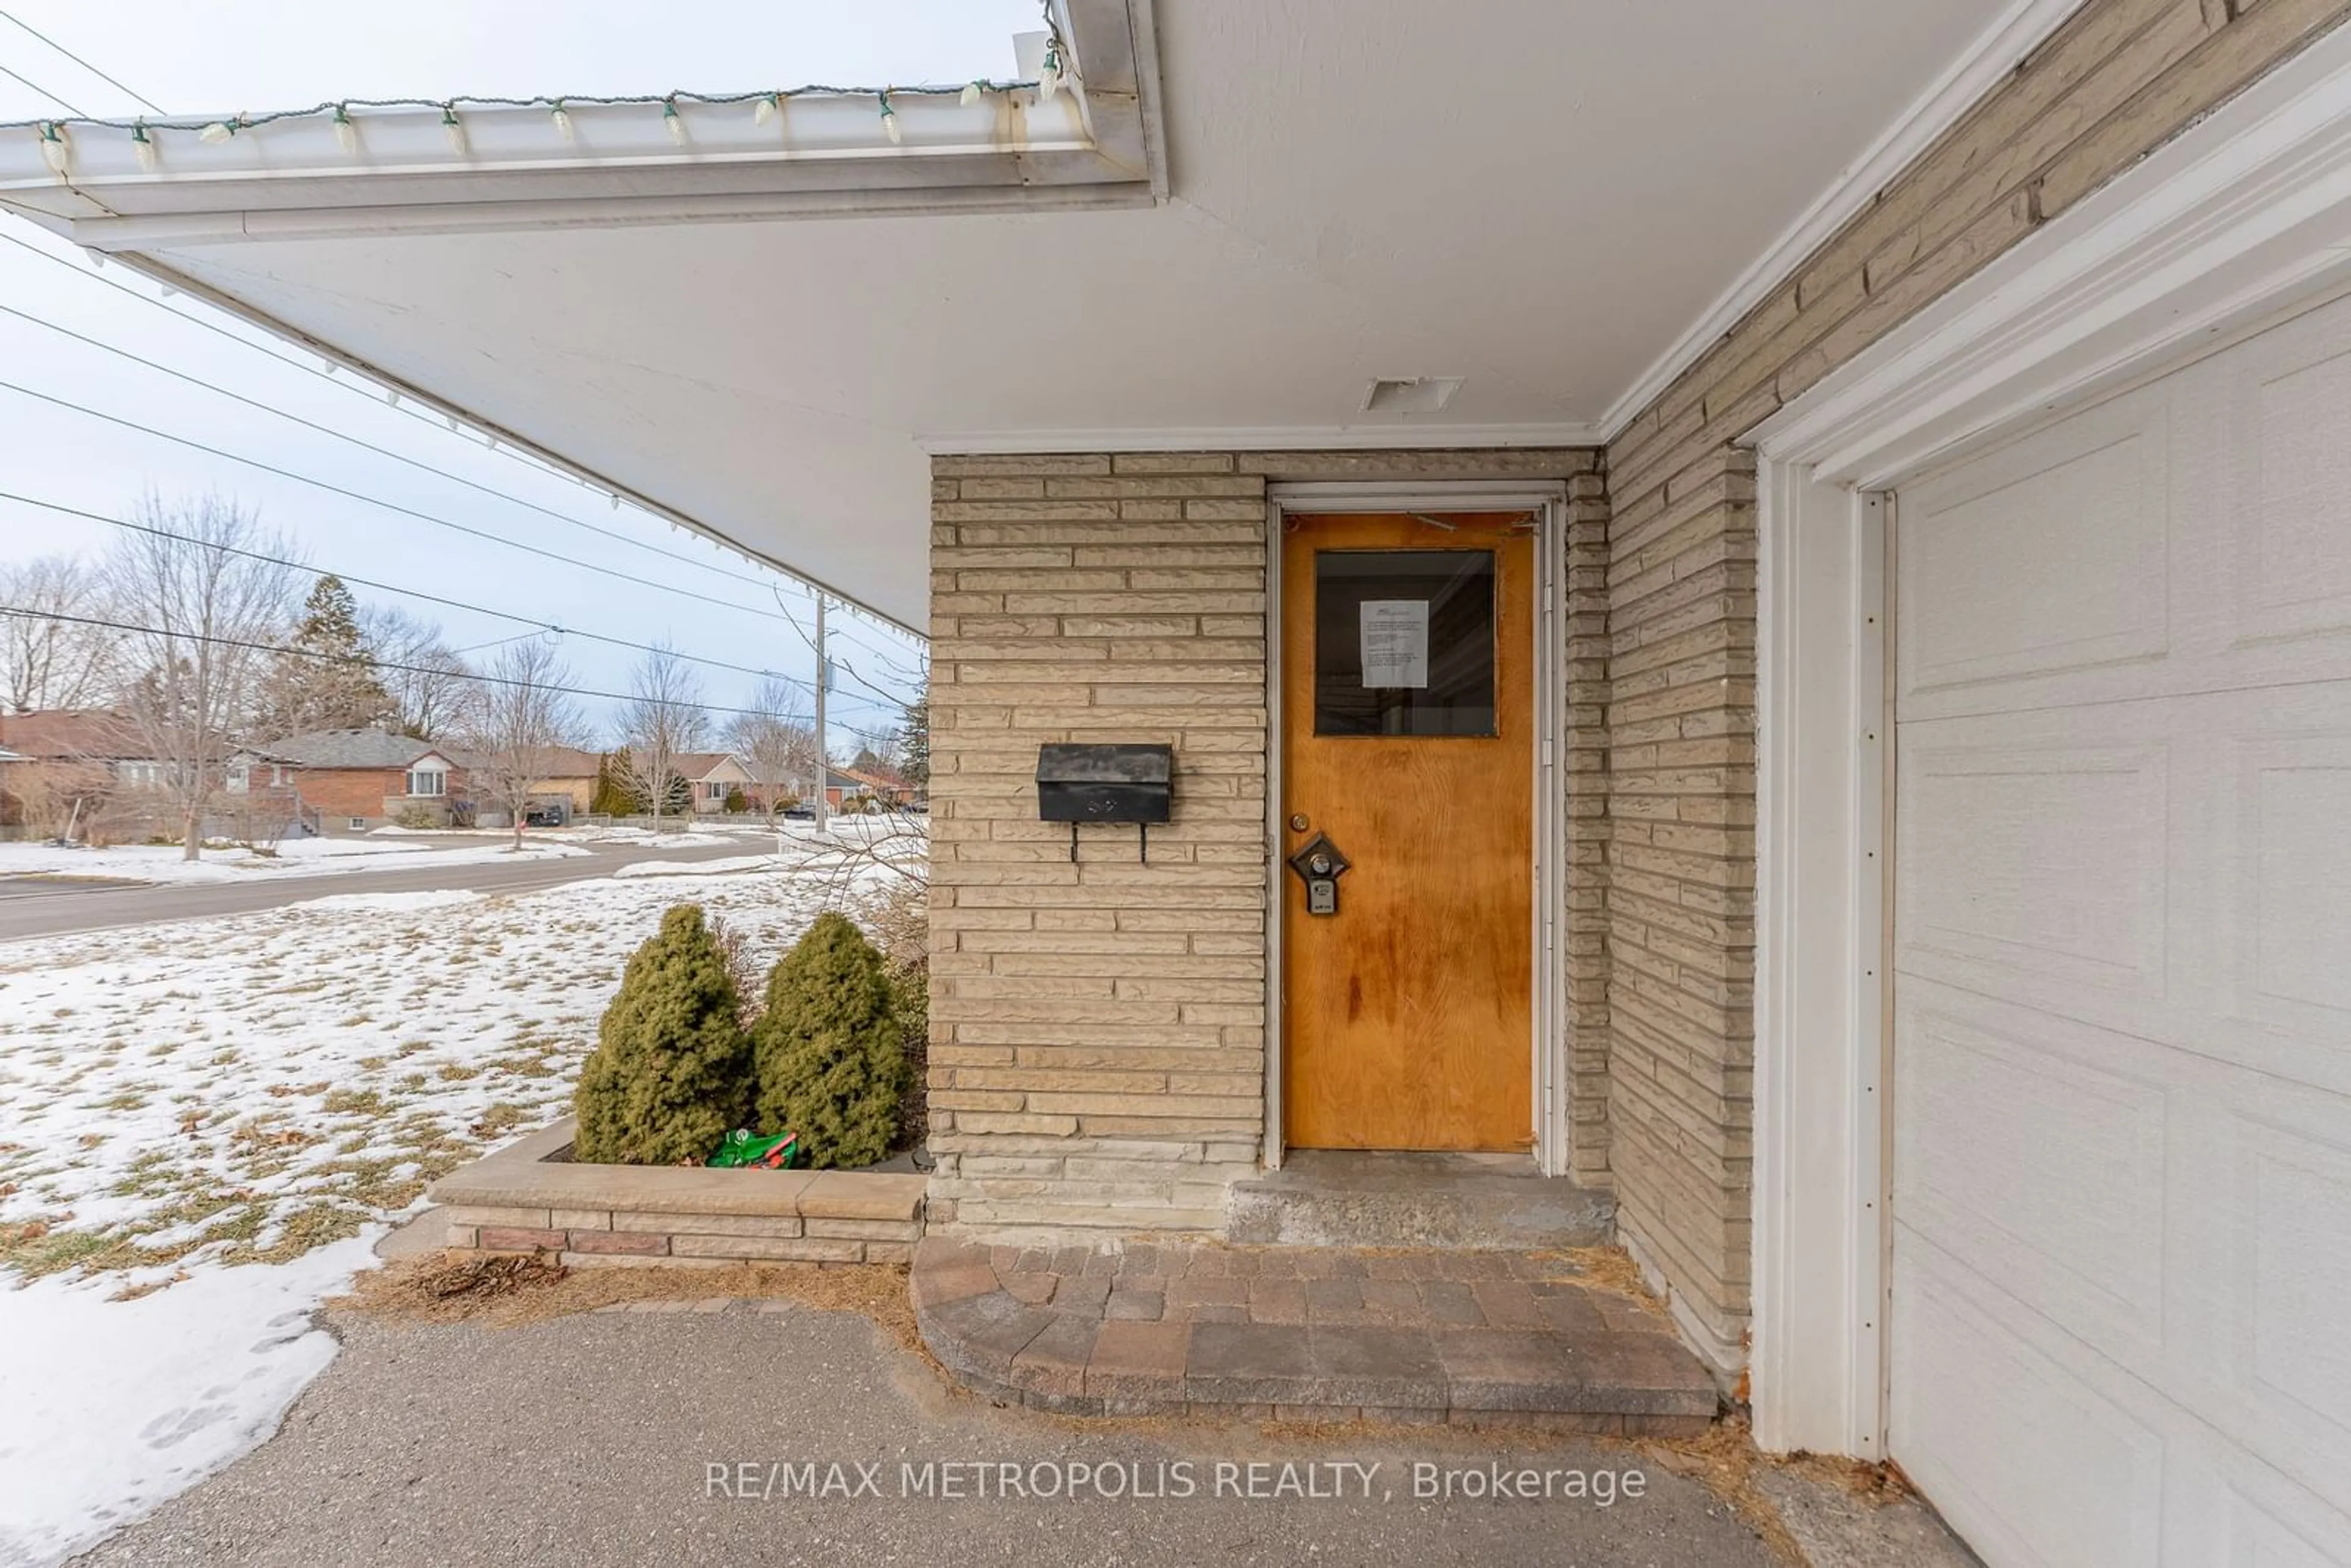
52, 663
664, 718
776, 743
193, 685
430, 684
517, 722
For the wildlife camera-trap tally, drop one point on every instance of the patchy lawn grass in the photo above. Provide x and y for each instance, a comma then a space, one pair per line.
247, 1089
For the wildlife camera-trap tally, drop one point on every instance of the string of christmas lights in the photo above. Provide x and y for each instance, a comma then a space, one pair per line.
145, 132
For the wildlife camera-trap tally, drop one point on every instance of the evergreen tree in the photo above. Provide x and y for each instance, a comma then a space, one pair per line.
329, 679
611, 795
914, 742
831, 1057
671, 1073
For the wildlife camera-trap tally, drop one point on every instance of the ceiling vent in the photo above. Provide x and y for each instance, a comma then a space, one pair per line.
1411, 394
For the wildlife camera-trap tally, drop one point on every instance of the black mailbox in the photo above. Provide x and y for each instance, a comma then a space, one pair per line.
1105, 784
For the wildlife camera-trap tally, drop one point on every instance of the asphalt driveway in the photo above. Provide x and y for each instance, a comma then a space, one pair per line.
680, 1437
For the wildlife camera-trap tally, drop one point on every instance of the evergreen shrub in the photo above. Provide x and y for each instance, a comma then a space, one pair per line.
671, 1074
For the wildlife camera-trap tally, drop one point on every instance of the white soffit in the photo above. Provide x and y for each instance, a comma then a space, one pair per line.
1530, 198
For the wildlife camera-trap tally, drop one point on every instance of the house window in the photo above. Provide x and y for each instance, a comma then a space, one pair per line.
239, 778
428, 782
357, 822
714, 790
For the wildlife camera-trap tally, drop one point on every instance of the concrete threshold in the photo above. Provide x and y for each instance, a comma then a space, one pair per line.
1329, 1197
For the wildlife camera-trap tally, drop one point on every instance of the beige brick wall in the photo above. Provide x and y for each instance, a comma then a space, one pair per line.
2118, 79
1099, 1030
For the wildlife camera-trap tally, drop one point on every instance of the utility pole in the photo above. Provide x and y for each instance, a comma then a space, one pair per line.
823, 679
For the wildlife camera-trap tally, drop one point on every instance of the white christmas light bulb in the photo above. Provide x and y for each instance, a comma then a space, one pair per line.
562, 118
890, 122
971, 94
143, 146
216, 133
1048, 77
347, 135
765, 110
453, 130
54, 151
672, 123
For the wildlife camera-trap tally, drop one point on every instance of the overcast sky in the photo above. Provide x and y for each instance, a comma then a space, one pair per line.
255, 54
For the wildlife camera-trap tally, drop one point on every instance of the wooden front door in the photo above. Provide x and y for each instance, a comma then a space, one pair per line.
1408, 742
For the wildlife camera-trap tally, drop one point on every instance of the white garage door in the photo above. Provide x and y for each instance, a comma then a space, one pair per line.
2121, 1324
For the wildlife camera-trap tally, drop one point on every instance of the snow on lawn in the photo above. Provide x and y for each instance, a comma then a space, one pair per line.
668, 839
108, 1409
295, 858
269, 1089
725, 865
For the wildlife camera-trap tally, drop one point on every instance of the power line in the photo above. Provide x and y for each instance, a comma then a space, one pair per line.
393, 507
493, 643
416, 463
45, 92
405, 592
419, 415
824, 660
84, 64
322, 373
381, 451
173, 634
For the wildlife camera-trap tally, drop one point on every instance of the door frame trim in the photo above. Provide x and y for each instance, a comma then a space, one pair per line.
1549, 1051
2235, 224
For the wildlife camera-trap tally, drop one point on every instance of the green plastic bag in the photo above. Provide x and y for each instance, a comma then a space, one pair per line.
743, 1149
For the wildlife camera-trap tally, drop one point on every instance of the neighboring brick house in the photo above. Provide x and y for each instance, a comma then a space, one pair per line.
355, 781
1833, 750
568, 786
79, 767
710, 776
12, 784
847, 784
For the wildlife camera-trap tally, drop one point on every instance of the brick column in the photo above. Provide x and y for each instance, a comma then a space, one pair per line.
1098, 1029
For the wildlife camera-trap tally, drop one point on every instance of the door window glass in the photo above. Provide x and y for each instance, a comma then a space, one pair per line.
1404, 642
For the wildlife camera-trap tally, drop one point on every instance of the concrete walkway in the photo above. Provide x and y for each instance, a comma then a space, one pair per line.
1427, 1336
53, 907
676, 1437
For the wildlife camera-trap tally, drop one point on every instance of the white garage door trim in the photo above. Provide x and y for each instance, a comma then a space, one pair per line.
2241, 221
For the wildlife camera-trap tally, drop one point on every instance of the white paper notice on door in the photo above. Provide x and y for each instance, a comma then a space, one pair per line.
1396, 643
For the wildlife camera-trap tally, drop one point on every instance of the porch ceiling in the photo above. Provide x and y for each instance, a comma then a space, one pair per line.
1542, 200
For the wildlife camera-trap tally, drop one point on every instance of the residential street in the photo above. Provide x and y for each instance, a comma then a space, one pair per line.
46, 907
